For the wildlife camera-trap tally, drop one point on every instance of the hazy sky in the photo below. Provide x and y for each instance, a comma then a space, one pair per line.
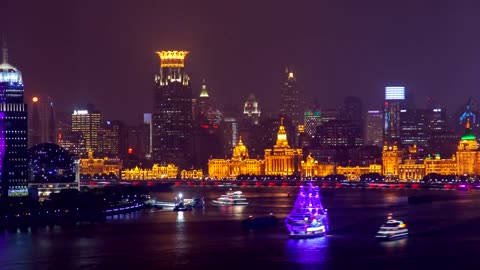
103, 52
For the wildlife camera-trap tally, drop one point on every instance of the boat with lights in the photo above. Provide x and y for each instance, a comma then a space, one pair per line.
232, 198
308, 218
392, 230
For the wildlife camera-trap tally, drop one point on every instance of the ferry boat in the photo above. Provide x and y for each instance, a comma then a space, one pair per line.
196, 202
392, 230
232, 198
308, 218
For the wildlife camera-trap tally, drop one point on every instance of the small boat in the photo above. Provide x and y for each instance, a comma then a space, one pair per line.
232, 198
182, 207
264, 222
196, 202
392, 230
308, 218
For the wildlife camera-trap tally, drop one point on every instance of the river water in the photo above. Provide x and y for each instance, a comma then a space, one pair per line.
444, 234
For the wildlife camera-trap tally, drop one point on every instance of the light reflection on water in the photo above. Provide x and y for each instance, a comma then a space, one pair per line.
307, 250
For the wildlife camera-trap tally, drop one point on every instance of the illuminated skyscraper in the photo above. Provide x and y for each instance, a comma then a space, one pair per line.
374, 128
251, 110
13, 131
394, 102
290, 104
42, 122
88, 123
172, 110
110, 139
312, 119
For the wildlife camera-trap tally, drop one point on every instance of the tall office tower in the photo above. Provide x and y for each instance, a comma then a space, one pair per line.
230, 134
42, 122
251, 110
13, 131
147, 122
339, 133
414, 127
172, 105
290, 103
203, 100
374, 128
394, 102
353, 110
110, 138
329, 115
312, 119
88, 123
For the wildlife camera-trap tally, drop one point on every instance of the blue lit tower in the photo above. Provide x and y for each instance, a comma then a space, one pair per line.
13, 131
172, 110
394, 103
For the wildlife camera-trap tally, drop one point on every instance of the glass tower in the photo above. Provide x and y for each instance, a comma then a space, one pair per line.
172, 110
13, 131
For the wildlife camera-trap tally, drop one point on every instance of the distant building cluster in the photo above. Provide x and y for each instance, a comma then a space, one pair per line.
186, 134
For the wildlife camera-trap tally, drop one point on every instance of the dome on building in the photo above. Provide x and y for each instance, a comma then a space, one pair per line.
240, 151
49, 162
8, 73
468, 135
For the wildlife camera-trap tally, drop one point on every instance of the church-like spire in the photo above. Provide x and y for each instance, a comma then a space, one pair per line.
204, 92
282, 136
4, 53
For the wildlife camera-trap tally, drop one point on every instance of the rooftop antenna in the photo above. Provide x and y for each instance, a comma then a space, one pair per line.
5, 52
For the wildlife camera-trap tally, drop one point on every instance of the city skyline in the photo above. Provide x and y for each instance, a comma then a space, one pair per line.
335, 50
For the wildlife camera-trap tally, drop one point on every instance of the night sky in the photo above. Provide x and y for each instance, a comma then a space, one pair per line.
103, 52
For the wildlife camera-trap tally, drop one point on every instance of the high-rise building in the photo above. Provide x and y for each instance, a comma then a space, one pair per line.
394, 102
414, 127
353, 111
42, 122
312, 119
172, 110
251, 110
110, 138
374, 128
13, 131
147, 121
339, 133
290, 101
88, 123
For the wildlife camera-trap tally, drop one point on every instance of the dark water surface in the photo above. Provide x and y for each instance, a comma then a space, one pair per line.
444, 234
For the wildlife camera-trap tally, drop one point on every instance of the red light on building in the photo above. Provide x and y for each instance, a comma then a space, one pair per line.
204, 126
59, 136
130, 151
35, 99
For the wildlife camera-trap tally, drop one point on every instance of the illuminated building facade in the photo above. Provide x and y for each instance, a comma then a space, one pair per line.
394, 102
374, 128
411, 170
42, 123
354, 172
468, 153
191, 174
110, 139
91, 166
88, 123
441, 166
312, 119
172, 110
391, 159
251, 110
311, 167
239, 164
282, 159
290, 102
13, 131
158, 171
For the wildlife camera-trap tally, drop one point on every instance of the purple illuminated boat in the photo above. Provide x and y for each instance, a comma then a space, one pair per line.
308, 218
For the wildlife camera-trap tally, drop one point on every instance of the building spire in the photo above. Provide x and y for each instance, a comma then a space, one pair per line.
4, 52
467, 125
